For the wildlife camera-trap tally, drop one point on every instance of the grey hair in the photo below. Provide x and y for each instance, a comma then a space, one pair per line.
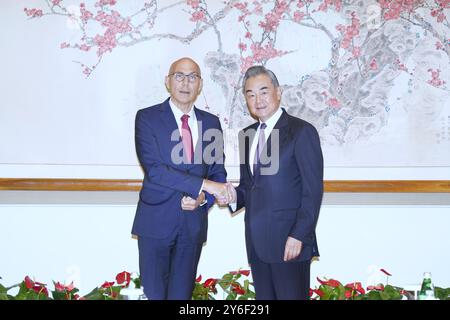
256, 71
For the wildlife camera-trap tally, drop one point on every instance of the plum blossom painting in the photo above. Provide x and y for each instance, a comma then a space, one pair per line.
372, 76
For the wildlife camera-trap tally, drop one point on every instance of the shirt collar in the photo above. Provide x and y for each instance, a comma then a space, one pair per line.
178, 113
272, 121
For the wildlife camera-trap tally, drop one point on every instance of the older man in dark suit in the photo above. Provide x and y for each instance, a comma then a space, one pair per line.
281, 188
180, 182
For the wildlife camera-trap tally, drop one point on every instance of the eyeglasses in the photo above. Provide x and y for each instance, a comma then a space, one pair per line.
179, 76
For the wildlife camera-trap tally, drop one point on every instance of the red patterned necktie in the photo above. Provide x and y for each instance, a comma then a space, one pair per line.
186, 137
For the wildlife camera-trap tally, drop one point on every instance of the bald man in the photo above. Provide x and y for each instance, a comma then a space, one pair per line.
180, 149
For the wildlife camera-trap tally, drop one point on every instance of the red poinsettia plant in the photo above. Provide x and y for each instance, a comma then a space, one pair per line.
332, 289
34, 290
234, 286
65, 292
231, 283
111, 290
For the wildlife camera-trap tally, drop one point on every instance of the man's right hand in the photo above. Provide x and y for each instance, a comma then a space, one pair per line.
219, 190
232, 195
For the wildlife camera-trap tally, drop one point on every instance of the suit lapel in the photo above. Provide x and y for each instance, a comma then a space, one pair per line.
171, 128
200, 145
281, 126
249, 136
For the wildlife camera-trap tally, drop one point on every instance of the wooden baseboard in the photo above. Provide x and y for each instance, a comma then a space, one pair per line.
391, 186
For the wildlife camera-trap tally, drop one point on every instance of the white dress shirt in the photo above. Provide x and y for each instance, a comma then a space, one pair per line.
192, 121
271, 122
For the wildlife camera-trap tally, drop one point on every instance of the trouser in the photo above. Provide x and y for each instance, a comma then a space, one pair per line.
281, 281
168, 266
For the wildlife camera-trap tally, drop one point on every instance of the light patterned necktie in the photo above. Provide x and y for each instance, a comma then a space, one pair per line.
259, 148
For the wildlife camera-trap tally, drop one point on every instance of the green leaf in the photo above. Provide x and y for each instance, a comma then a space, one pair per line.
340, 292
95, 294
374, 295
442, 293
393, 292
224, 284
227, 277
231, 296
3, 296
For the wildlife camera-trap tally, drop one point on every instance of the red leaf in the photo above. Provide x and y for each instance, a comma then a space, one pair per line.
237, 288
40, 289
28, 282
59, 287
356, 286
123, 277
245, 272
331, 282
377, 287
70, 287
210, 283
107, 284
385, 272
318, 292
199, 278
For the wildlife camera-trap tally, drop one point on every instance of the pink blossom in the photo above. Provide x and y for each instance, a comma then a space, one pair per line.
64, 45
334, 103
198, 16
441, 17
401, 66
105, 3
272, 19
242, 46
356, 52
87, 71
435, 81
84, 47
193, 3
33, 13
349, 32
444, 4
324, 5
258, 9
373, 64
260, 54
241, 6
105, 43
56, 2
394, 8
85, 14
298, 15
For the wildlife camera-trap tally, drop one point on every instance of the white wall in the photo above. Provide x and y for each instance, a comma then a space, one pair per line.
91, 243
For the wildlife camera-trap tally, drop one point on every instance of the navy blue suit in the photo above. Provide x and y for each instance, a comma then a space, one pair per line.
283, 204
169, 238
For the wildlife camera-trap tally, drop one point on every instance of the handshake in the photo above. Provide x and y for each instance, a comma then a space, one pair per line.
223, 192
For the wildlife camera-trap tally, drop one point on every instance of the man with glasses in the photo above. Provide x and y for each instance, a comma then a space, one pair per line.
180, 182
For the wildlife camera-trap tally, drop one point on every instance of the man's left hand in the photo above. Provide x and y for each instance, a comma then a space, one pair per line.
292, 249
187, 203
